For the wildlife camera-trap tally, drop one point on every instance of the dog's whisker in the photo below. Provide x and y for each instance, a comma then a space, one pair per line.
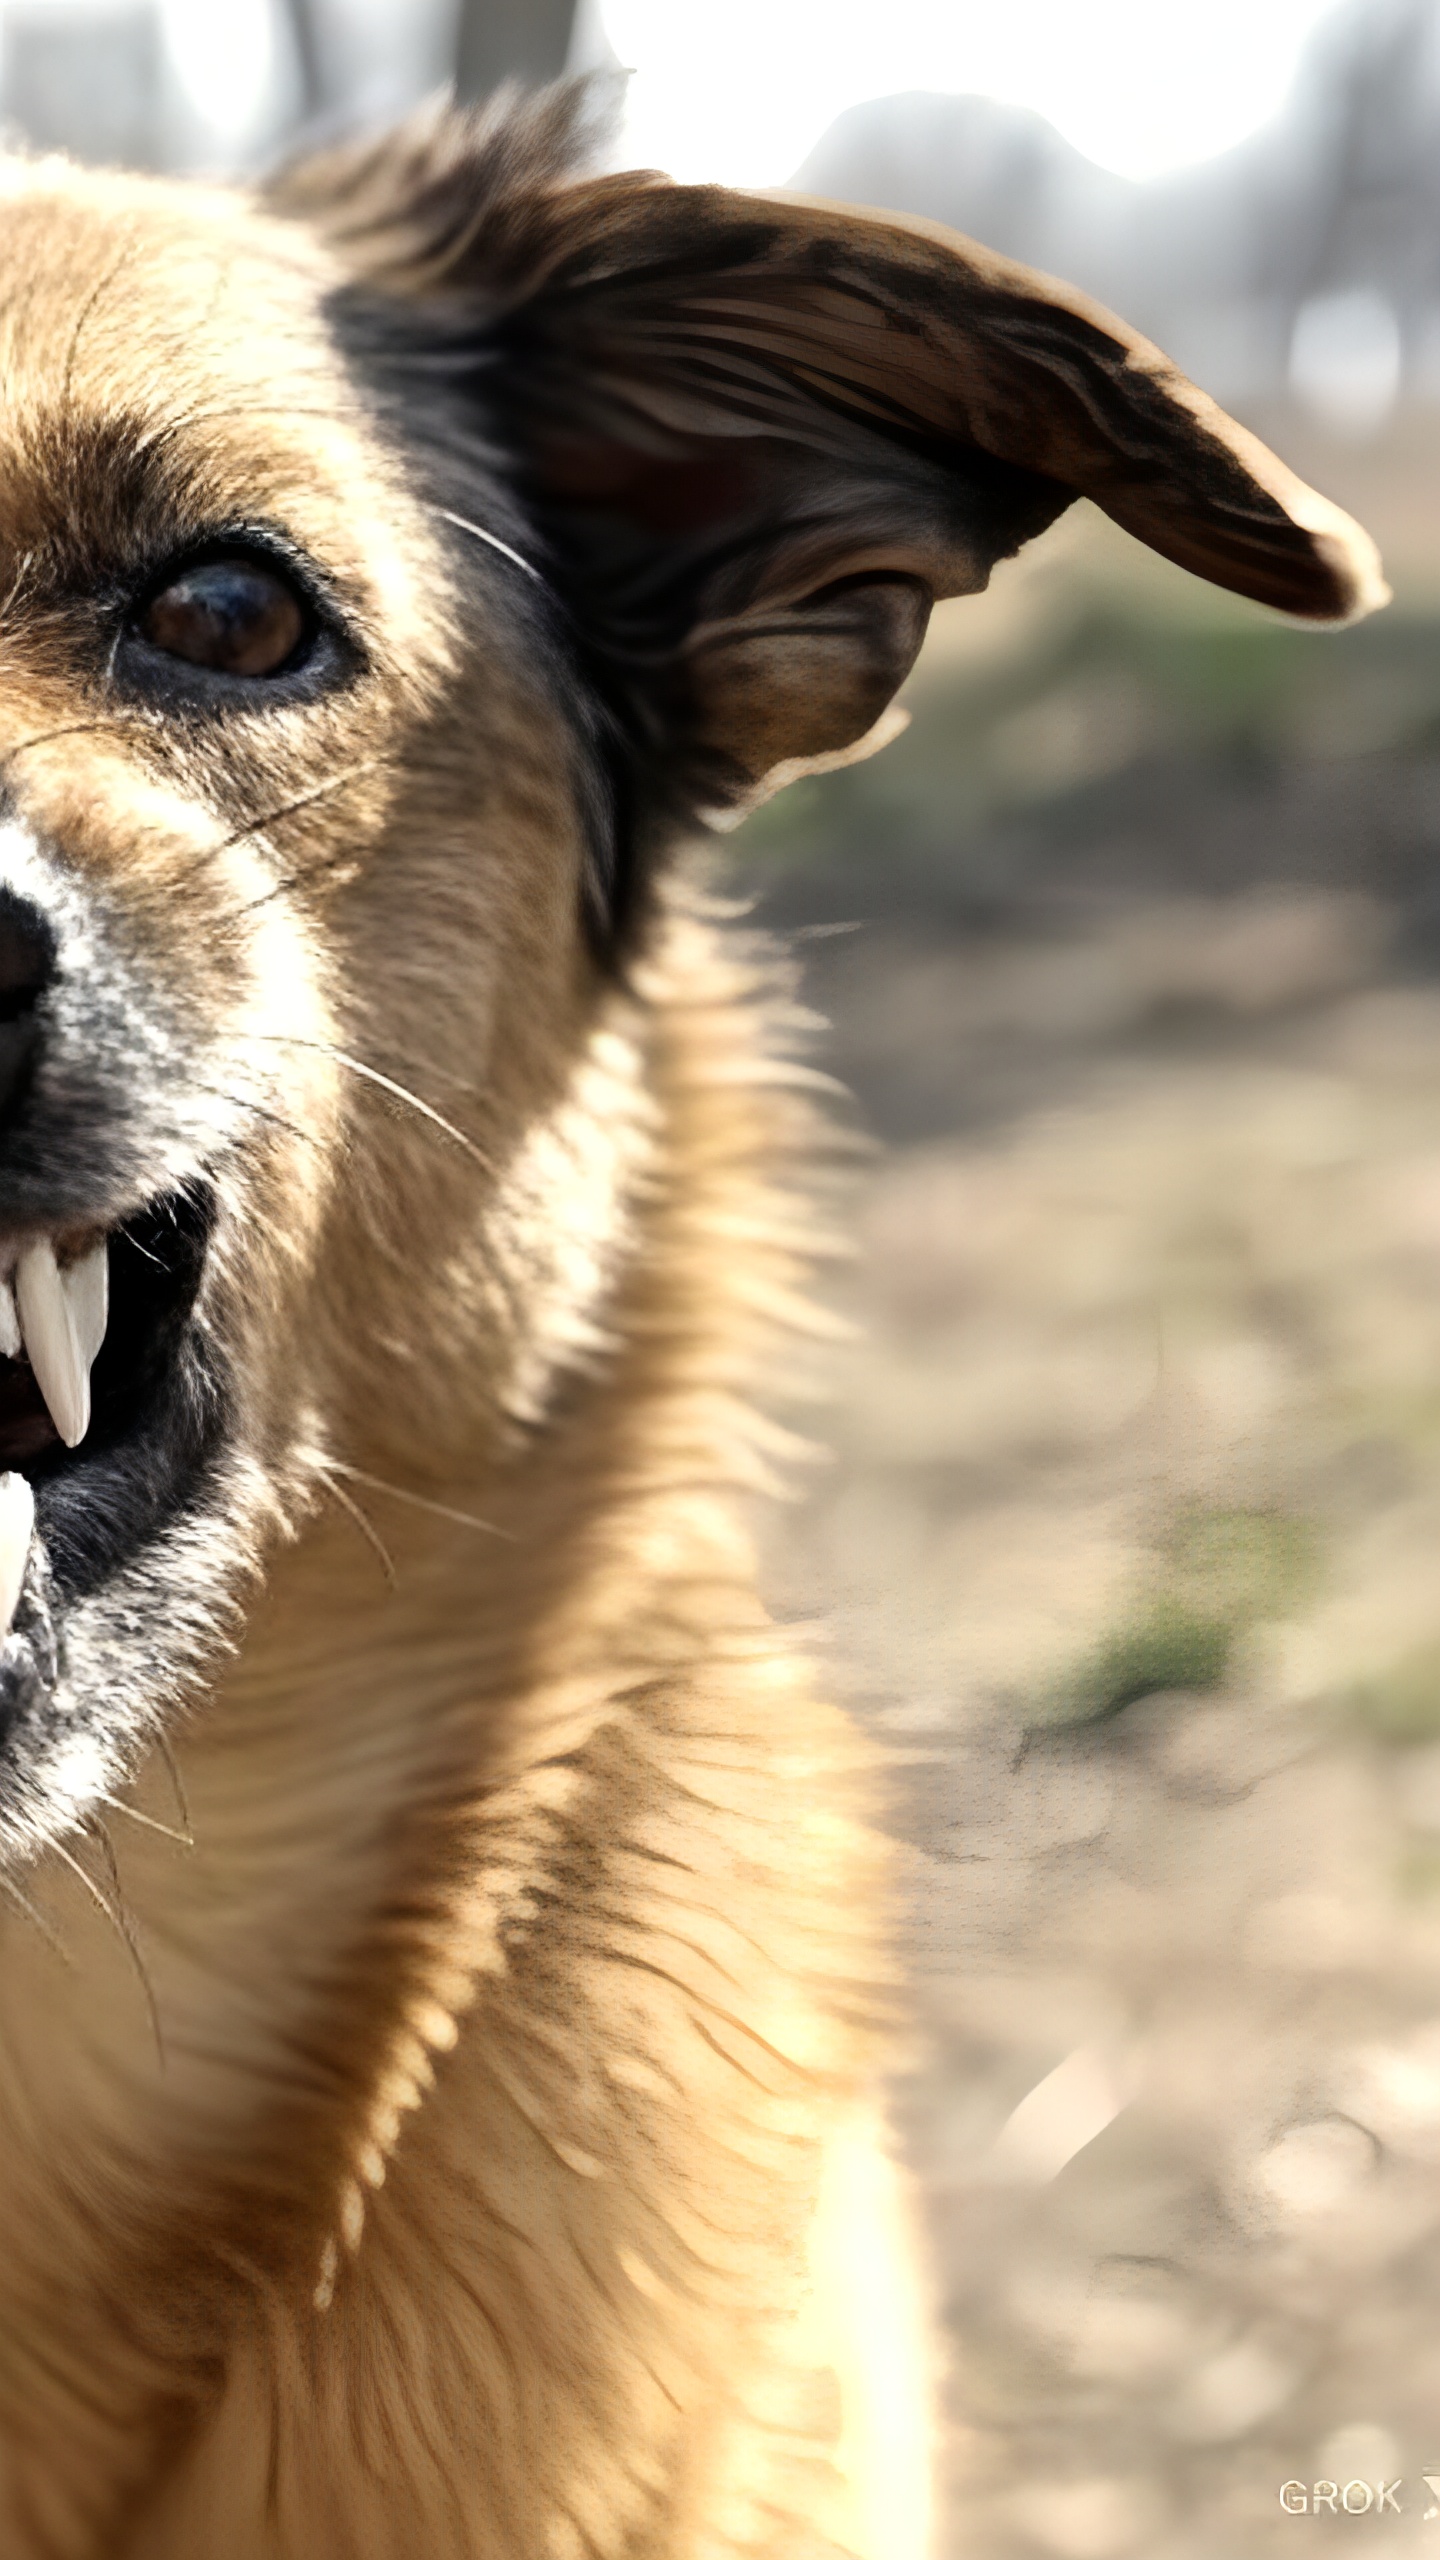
284, 809
121, 1926
177, 1784
366, 1526
147, 1821
67, 1858
417, 1501
44, 737
144, 1251
95, 1828
299, 878
274, 1119
171, 427
481, 533
372, 1075
37, 1919
303, 800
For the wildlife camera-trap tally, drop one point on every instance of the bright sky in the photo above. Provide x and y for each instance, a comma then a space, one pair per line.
740, 89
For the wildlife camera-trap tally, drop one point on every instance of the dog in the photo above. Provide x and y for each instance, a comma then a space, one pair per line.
445, 2121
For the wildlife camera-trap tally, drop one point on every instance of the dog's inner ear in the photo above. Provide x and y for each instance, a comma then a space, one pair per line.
759, 436
753, 551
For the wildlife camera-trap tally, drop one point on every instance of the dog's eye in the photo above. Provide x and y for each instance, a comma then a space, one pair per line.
236, 617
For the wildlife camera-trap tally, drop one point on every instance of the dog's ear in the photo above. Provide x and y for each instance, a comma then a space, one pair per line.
760, 435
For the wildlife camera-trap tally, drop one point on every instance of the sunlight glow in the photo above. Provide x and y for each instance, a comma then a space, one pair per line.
742, 92
224, 58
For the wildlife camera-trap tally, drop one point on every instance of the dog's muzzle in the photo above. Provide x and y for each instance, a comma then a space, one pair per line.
110, 1408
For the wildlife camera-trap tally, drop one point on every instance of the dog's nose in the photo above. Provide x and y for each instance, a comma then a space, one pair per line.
27, 960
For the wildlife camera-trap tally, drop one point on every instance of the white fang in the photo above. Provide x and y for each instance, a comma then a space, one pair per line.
48, 1328
17, 1520
86, 1284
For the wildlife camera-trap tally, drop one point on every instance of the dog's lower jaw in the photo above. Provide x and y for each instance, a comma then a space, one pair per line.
519, 1985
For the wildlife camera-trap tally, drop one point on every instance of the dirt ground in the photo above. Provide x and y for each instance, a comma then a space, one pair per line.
1130, 1546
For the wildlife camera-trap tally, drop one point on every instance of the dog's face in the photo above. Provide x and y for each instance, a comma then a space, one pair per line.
386, 575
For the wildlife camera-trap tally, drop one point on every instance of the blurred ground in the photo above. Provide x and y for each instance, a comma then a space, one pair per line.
1131, 1544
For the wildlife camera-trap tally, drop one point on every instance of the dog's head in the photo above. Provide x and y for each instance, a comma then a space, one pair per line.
389, 571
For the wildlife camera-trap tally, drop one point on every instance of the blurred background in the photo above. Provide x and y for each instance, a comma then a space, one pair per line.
1129, 1541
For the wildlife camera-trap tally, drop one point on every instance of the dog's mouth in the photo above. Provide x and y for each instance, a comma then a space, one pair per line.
108, 1404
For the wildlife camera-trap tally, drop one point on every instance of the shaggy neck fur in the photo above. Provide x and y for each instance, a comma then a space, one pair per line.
501, 2027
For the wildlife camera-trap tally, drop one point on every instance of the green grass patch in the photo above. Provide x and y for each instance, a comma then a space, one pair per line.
1243, 1565
1170, 1646
1200, 698
1219, 1573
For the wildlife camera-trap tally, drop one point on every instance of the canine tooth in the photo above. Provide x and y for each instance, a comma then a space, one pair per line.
17, 1520
49, 1334
86, 1284
9, 1323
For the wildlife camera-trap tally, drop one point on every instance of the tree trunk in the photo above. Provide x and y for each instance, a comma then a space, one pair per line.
309, 62
511, 40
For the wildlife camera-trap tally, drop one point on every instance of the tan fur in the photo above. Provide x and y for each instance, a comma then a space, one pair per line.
597, 2130
480, 2159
